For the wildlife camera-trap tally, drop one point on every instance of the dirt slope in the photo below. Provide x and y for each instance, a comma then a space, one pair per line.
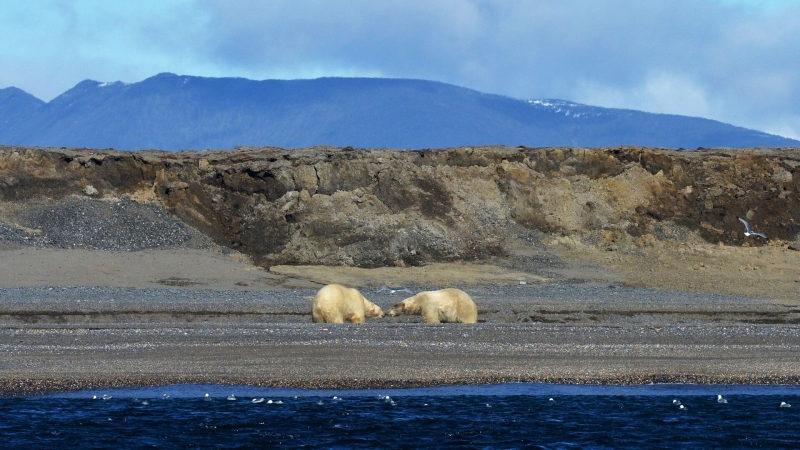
632, 215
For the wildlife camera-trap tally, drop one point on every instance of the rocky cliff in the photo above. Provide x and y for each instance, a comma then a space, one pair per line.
371, 208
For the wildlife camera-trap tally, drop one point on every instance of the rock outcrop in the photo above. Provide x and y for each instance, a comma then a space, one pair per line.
372, 208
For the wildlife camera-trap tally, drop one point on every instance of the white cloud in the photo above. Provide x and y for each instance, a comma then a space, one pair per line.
676, 94
659, 93
731, 60
787, 125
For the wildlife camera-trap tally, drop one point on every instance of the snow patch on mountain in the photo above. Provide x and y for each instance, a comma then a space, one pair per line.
568, 109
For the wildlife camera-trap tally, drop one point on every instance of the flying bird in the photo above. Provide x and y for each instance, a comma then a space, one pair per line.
749, 231
392, 290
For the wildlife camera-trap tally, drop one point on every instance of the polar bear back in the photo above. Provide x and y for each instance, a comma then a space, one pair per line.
445, 305
335, 303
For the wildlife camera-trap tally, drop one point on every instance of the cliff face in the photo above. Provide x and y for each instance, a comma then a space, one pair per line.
373, 208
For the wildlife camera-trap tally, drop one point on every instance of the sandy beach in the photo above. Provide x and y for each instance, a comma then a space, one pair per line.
78, 319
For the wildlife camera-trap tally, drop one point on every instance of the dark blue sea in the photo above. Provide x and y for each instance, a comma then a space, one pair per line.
500, 416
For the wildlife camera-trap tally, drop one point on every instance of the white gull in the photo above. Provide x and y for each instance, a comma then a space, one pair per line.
749, 231
392, 290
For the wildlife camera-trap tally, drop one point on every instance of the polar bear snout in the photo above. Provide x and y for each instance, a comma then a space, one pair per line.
376, 312
372, 310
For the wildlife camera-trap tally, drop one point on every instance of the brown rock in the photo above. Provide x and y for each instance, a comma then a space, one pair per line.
374, 208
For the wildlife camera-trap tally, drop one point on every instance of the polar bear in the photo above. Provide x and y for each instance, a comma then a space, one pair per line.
446, 305
335, 303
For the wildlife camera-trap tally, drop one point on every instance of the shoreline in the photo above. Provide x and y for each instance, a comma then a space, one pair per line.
36, 388
52, 358
222, 321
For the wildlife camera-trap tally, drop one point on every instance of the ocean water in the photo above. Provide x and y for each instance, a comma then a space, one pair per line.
500, 416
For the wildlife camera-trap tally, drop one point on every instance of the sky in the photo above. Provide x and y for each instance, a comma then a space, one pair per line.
737, 61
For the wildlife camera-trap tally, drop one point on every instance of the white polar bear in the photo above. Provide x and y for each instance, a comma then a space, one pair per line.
446, 305
335, 303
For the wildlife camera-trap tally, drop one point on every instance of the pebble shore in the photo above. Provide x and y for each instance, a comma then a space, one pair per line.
67, 338
56, 338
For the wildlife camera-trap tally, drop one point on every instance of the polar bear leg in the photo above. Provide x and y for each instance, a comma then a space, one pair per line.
430, 314
355, 318
328, 318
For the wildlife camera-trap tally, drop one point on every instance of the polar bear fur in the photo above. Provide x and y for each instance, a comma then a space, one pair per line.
446, 305
335, 303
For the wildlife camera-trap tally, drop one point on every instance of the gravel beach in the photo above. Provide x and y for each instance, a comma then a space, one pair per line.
115, 302
66, 338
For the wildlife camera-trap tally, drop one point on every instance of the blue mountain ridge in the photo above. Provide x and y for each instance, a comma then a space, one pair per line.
172, 112
15, 106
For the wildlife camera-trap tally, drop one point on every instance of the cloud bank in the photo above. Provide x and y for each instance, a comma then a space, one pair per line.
730, 60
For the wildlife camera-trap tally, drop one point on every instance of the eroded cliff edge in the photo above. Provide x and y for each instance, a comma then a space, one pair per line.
373, 208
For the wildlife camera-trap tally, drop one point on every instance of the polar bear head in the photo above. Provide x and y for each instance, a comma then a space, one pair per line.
407, 306
371, 309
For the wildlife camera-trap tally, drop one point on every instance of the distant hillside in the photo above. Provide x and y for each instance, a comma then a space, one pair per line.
174, 112
16, 106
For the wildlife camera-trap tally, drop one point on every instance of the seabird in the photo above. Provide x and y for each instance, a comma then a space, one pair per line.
676, 402
106, 397
387, 399
785, 405
231, 397
392, 290
259, 400
720, 399
749, 231
682, 407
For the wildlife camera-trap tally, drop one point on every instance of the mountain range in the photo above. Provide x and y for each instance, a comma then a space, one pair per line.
173, 112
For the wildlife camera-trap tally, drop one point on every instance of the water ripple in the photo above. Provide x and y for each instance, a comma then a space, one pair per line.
446, 417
